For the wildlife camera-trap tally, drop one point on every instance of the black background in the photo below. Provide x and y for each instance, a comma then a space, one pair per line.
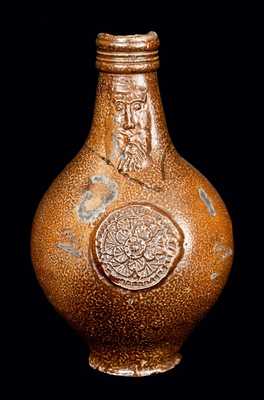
204, 84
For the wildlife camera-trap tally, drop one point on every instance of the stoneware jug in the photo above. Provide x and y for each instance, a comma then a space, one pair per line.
131, 244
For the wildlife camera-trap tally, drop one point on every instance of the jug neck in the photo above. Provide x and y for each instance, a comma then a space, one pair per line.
129, 127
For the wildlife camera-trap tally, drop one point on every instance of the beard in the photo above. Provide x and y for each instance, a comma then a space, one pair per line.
134, 148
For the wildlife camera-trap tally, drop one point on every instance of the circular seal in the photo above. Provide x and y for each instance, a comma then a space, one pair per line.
137, 245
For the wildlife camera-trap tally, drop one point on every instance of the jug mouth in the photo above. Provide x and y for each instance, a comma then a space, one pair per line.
127, 53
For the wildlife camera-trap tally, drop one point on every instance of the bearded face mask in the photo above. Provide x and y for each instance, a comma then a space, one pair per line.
131, 125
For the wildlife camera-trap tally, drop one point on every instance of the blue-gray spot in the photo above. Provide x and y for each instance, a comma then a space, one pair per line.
86, 212
207, 201
223, 251
69, 248
214, 275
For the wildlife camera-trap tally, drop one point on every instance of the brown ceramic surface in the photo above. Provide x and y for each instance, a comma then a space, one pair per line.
131, 244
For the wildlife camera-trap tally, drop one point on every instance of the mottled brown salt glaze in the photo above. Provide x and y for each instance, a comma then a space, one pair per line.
131, 244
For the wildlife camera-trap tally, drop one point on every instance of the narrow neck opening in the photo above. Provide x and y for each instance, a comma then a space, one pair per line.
127, 54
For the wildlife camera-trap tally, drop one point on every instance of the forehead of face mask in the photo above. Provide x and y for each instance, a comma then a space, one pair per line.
126, 90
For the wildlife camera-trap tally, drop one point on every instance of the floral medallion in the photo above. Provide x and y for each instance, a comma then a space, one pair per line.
137, 245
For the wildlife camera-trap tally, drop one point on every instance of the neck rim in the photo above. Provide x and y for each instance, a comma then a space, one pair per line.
128, 53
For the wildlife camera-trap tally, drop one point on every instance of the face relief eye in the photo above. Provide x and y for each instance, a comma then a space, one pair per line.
119, 106
137, 106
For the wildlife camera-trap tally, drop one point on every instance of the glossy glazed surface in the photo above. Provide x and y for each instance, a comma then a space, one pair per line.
131, 244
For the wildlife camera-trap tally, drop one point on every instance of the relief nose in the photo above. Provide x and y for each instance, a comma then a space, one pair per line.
129, 120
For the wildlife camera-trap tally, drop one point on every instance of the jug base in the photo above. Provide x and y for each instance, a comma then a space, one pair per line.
135, 362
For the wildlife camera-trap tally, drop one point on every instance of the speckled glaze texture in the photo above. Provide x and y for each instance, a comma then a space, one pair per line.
131, 244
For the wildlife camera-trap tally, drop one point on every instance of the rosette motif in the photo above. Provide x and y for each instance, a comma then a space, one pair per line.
137, 245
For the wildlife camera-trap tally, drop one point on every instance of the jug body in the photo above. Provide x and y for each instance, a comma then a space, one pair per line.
131, 244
